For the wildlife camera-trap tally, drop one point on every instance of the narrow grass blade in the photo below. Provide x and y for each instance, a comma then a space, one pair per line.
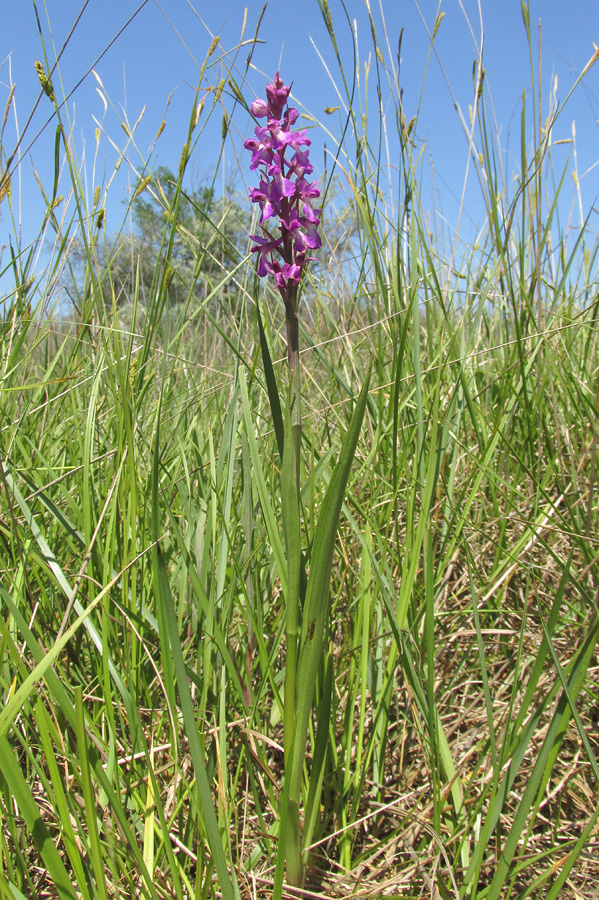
76, 860
272, 528
17, 787
576, 673
23, 693
89, 798
65, 706
149, 821
164, 596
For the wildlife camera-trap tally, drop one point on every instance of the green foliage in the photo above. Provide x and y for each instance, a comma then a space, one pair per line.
451, 718
210, 237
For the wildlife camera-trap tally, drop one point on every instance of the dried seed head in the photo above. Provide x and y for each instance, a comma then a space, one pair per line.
5, 187
591, 61
7, 108
199, 111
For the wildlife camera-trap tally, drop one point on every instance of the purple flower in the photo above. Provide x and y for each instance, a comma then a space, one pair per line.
265, 246
270, 195
283, 192
277, 95
300, 163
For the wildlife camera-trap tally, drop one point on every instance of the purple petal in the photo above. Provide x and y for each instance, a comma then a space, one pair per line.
305, 189
310, 215
290, 118
265, 245
300, 163
292, 271
293, 139
281, 187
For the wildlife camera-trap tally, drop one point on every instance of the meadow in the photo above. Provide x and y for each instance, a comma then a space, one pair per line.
453, 734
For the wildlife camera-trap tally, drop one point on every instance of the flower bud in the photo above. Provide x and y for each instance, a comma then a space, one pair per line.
259, 109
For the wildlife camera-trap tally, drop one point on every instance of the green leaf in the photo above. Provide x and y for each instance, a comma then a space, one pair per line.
271, 385
260, 483
317, 603
165, 598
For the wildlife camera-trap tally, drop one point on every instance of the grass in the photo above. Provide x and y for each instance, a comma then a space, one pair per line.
143, 577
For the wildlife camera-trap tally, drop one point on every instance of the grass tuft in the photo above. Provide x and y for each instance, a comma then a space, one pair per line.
143, 572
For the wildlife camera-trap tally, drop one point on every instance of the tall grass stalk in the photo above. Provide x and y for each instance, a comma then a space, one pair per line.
156, 532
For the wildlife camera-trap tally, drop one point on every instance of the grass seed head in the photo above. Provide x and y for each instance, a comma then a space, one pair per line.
44, 80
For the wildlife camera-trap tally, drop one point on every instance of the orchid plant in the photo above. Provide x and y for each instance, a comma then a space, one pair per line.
289, 235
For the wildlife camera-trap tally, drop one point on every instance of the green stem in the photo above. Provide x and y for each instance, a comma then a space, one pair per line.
291, 527
293, 359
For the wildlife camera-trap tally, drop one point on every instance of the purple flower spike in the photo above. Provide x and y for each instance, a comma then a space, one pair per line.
283, 193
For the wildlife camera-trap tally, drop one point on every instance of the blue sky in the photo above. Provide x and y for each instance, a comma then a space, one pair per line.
160, 52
